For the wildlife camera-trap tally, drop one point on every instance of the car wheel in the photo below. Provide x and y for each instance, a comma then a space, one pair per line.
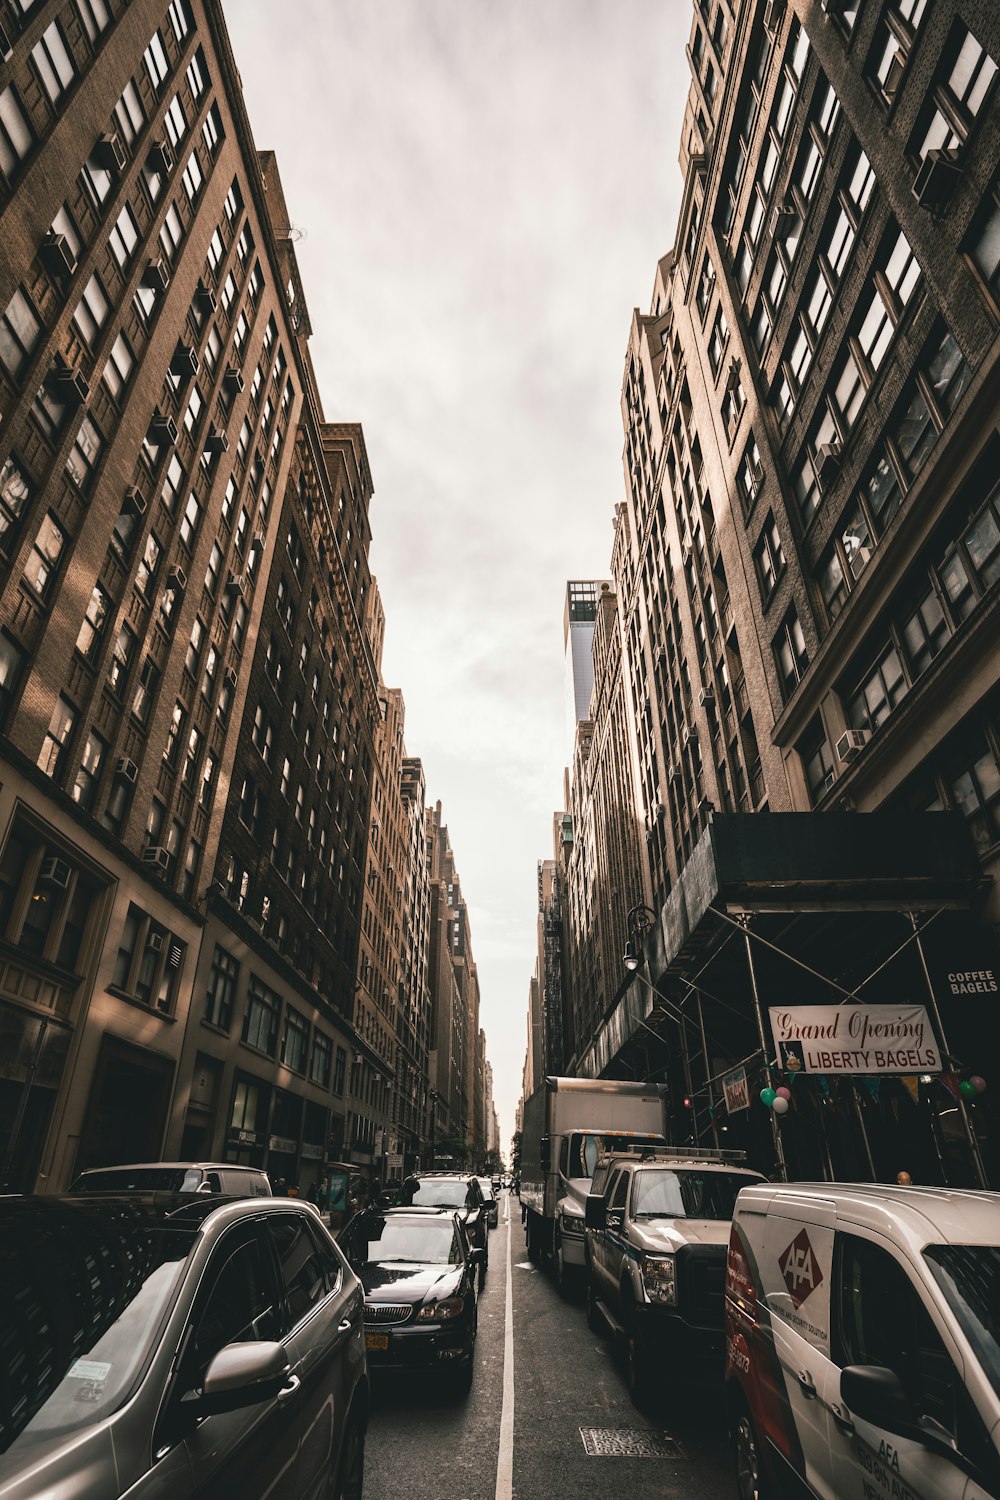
351, 1469
750, 1483
461, 1380
638, 1368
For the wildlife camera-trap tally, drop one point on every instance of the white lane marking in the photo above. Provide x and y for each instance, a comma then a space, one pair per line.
505, 1457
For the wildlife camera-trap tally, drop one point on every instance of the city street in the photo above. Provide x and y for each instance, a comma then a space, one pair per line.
426, 1443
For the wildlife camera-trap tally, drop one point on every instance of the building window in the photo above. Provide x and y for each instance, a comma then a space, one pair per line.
130, 116
260, 1021
16, 138
124, 237
157, 66
85, 786
750, 476
222, 984
718, 341
118, 370
171, 234
957, 101
15, 492
121, 660
881, 688
817, 761
52, 756
43, 560
321, 1061
790, 655
92, 311
295, 1041
340, 1071
148, 565
769, 559
46, 899
145, 692
148, 963
88, 642
53, 62
20, 330
924, 633
974, 789
84, 455
893, 43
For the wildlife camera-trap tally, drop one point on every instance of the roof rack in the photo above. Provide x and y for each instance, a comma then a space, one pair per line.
675, 1153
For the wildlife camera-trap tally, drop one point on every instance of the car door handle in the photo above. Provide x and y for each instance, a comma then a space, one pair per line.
345, 1326
806, 1382
288, 1390
842, 1419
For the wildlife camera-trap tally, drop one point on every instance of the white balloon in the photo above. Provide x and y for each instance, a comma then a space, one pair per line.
780, 1106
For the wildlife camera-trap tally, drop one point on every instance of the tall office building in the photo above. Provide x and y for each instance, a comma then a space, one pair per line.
188, 698
579, 614
807, 575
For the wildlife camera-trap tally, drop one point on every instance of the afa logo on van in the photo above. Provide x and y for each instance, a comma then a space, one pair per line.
800, 1268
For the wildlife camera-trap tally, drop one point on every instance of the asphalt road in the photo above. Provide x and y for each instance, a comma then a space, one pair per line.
424, 1444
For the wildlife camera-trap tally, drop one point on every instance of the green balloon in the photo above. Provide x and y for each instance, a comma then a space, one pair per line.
768, 1096
967, 1089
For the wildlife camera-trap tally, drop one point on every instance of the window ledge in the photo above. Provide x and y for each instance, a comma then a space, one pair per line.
147, 1010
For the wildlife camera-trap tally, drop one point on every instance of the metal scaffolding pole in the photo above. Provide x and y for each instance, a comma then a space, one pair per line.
779, 1149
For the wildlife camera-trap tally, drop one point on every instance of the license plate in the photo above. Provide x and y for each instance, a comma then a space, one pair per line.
376, 1341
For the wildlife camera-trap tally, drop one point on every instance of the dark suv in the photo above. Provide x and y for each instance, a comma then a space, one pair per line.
459, 1193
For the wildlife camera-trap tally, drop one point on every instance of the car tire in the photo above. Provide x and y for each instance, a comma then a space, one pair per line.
461, 1380
750, 1481
350, 1476
638, 1366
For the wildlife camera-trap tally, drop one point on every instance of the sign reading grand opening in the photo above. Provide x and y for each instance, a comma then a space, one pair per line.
854, 1039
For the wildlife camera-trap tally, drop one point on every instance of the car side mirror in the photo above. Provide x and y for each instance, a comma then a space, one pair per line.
876, 1395
477, 1255
595, 1214
240, 1375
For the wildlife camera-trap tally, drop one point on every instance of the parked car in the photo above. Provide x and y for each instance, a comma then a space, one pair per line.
176, 1177
458, 1191
418, 1271
176, 1345
492, 1207
658, 1225
863, 1341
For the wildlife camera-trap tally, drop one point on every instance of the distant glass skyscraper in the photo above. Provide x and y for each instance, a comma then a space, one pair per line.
578, 638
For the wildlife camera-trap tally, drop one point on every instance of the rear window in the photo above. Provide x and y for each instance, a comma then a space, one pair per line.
84, 1291
435, 1192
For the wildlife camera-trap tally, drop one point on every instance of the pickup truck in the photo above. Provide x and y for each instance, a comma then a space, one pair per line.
657, 1231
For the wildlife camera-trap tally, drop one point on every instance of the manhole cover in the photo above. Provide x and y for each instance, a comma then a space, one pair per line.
629, 1442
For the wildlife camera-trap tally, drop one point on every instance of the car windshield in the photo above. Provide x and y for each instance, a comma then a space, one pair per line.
140, 1180
487, 1187
435, 1192
686, 1195
432, 1242
584, 1150
93, 1283
969, 1277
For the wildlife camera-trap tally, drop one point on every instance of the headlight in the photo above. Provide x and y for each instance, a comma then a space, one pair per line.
441, 1312
571, 1223
659, 1277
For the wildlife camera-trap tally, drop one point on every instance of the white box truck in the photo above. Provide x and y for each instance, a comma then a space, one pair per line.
567, 1123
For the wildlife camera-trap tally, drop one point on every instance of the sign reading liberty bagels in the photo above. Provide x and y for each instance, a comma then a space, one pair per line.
854, 1039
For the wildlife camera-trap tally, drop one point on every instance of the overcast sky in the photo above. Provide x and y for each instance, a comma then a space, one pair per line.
484, 188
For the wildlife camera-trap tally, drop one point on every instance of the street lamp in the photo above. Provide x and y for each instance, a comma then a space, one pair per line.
638, 920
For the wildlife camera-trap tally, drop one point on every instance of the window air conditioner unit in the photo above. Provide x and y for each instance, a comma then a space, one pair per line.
827, 463
782, 213
851, 744
673, 771
234, 588
205, 298
156, 276
162, 429
774, 10
184, 363
176, 581
135, 501
55, 872
155, 942
57, 255
828, 781
109, 152
231, 680
706, 696
894, 77
127, 770
233, 380
156, 855
690, 736
936, 177
216, 441
161, 157
71, 385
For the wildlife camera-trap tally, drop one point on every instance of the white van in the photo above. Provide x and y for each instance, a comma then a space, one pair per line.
863, 1342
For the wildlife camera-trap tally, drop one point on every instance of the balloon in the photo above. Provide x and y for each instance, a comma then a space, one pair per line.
780, 1106
783, 1093
768, 1096
979, 1084
967, 1088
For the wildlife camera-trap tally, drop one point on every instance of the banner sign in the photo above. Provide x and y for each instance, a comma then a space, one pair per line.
854, 1039
736, 1090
